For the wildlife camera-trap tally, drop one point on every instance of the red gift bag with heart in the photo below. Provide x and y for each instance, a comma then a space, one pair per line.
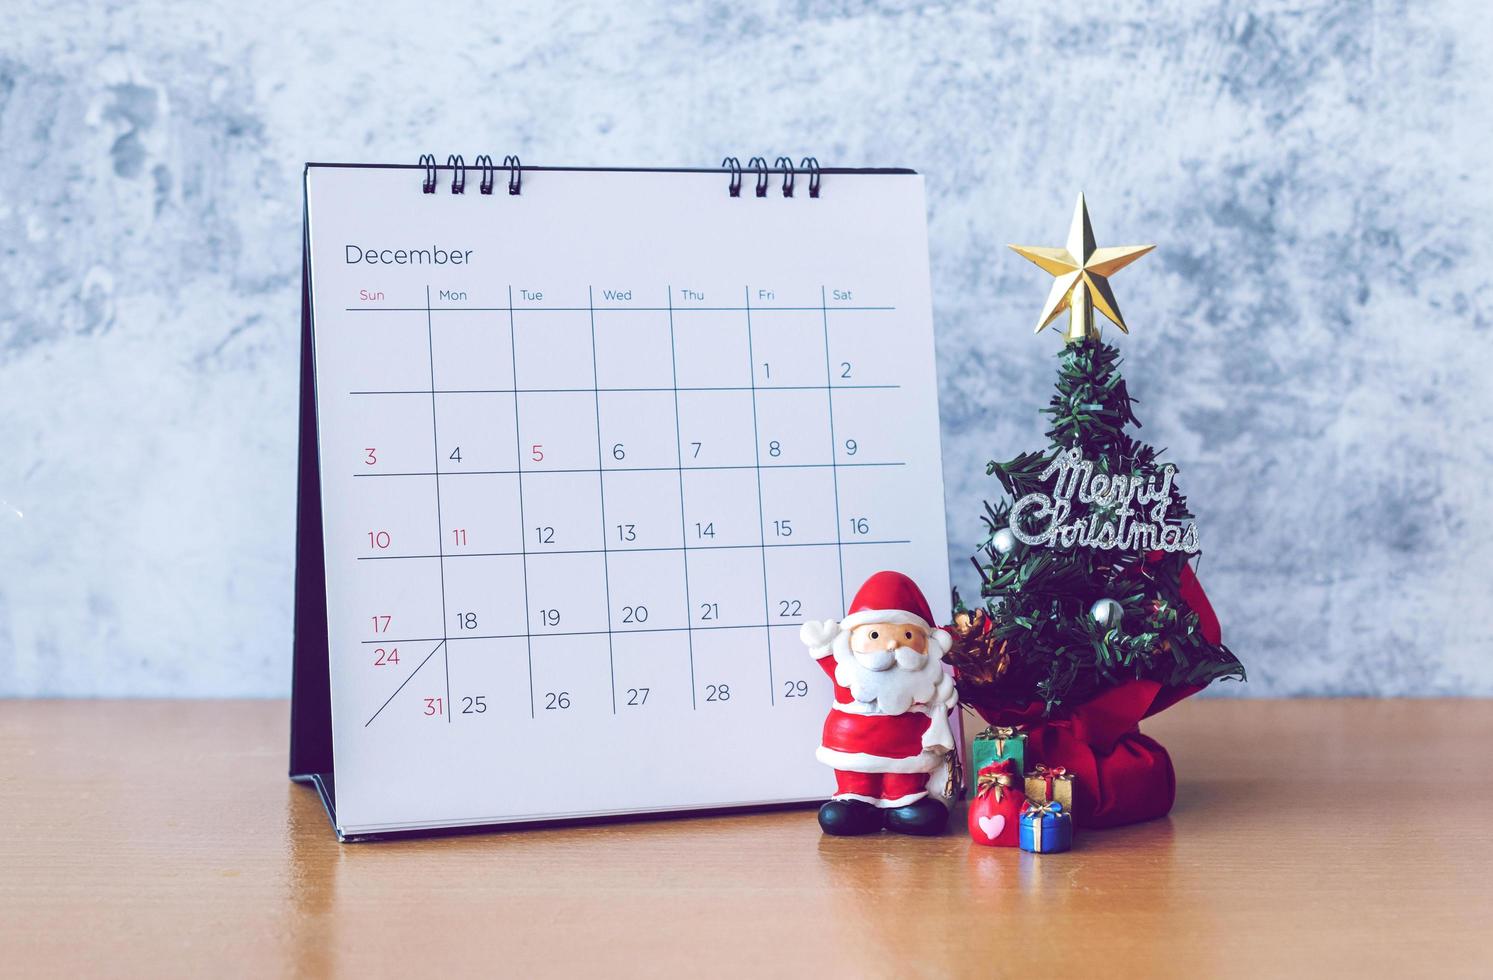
995, 812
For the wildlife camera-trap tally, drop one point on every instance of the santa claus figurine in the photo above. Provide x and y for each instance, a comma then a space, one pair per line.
887, 735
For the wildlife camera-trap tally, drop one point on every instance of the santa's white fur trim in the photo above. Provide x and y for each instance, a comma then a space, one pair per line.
879, 803
940, 637
870, 710
897, 616
925, 761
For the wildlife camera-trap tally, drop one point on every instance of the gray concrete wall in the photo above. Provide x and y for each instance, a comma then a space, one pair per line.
1310, 340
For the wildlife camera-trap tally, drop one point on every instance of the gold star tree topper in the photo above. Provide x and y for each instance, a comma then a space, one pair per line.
1082, 283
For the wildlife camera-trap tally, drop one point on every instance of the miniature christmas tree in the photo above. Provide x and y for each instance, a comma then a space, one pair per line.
1085, 569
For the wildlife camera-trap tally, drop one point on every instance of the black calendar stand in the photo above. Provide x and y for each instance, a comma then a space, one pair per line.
310, 688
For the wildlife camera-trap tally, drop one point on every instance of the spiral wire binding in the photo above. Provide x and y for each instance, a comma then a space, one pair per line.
484, 163
811, 165
732, 165
735, 165
759, 164
785, 164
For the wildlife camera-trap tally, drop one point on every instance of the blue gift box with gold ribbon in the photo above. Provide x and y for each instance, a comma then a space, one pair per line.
1045, 827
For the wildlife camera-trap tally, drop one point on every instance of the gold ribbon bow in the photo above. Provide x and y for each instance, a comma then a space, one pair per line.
990, 779
1040, 810
1050, 773
1000, 733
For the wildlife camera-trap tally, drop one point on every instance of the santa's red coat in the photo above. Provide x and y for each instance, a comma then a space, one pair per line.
873, 743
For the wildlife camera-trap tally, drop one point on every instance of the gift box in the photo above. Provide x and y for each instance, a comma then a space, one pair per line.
1046, 828
995, 743
1050, 784
995, 811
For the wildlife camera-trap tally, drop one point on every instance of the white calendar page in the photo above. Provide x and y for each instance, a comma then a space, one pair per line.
580, 487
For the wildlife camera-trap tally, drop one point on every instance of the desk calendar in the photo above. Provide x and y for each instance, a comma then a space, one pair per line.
578, 457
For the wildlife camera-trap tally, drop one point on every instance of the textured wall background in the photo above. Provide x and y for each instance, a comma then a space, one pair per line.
1310, 340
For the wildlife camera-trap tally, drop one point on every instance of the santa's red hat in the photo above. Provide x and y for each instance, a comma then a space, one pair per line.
891, 597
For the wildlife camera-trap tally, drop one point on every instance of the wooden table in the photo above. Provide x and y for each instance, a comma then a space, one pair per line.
162, 838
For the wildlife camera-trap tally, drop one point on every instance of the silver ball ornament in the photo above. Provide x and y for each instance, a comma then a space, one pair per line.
1107, 613
1003, 541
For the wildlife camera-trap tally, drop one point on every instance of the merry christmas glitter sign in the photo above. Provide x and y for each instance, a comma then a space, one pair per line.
1119, 508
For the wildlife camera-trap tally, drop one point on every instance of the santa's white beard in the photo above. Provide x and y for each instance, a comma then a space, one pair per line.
912, 679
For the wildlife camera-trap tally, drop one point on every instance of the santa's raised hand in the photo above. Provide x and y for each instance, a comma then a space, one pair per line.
818, 634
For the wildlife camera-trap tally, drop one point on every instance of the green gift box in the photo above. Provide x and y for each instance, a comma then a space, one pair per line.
996, 743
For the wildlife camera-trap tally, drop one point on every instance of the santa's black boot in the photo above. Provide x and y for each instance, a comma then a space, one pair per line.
849, 818
925, 818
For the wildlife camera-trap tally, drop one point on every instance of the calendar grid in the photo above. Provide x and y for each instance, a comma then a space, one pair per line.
408, 677
641, 629
757, 466
601, 482
634, 469
440, 528
630, 551
683, 520
609, 309
772, 686
834, 445
552, 391
523, 528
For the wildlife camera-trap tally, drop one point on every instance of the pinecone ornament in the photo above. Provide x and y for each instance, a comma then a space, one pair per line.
980, 659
